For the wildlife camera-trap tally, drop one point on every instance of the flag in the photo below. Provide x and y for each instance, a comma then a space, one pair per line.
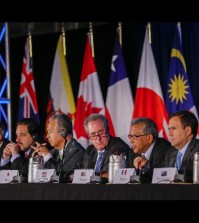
179, 95
119, 101
149, 100
61, 95
28, 107
90, 98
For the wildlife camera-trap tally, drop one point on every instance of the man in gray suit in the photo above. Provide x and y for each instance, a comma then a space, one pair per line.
183, 126
67, 153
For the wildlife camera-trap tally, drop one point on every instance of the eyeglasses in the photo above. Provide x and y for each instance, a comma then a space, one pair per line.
136, 136
100, 133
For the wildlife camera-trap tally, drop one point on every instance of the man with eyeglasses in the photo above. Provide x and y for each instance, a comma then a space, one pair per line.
103, 145
148, 151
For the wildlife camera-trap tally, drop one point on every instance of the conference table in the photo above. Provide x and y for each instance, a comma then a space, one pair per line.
61, 191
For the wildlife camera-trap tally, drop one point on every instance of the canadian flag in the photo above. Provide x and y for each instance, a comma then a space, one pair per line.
90, 98
149, 100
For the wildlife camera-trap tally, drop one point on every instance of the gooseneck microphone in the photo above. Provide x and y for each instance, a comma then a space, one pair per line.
20, 178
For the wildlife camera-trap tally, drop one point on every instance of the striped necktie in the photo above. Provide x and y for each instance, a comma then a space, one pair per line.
99, 162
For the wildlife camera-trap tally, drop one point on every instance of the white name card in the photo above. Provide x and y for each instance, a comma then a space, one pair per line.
43, 176
163, 175
82, 176
122, 176
6, 176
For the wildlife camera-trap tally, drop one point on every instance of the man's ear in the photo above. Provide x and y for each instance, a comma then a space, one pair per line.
1, 137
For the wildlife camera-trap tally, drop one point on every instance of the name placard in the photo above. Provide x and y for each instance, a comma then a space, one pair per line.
163, 175
122, 176
6, 176
82, 176
43, 176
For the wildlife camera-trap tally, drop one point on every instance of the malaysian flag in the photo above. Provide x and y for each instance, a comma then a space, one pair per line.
28, 107
179, 94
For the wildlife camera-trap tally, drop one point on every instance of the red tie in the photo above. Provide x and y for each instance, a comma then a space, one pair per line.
26, 155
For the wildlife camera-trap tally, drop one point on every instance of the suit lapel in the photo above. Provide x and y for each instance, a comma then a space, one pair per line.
189, 152
69, 150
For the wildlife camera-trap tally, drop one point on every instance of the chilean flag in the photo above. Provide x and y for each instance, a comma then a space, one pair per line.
119, 101
90, 98
149, 100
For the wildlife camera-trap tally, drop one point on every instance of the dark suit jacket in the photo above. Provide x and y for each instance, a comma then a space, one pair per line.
187, 162
72, 157
115, 145
158, 154
5, 142
20, 163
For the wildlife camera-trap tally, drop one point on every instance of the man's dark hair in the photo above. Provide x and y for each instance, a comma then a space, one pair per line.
2, 129
33, 127
187, 118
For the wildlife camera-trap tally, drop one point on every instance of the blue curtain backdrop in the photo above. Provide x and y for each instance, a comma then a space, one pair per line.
44, 47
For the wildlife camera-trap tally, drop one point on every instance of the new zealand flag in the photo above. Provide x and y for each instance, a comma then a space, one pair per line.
28, 107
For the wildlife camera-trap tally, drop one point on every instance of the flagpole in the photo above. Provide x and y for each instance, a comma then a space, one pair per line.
149, 32
63, 39
7, 45
119, 30
30, 42
91, 38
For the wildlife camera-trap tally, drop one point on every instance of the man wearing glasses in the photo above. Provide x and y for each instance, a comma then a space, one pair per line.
103, 145
148, 151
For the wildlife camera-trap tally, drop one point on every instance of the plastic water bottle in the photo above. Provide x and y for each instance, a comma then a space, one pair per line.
115, 162
196, 168
35, 163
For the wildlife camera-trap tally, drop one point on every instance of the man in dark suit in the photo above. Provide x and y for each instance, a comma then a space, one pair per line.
3, 141
183, 126
16, 154
67, 153
97, 129
148, 151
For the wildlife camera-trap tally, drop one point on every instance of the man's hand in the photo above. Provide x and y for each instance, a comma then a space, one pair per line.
140, 162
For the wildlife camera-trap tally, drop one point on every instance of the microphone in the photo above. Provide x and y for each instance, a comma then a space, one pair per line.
20, 178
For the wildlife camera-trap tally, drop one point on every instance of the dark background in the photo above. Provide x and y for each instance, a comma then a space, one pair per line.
44, 47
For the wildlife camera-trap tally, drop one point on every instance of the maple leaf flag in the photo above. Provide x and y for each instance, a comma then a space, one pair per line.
149, 100
61, 94
90, 98
119, 101
28, 107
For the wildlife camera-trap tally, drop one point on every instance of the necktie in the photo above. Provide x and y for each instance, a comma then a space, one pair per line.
26, 156
60, 155
99, 162
178, 160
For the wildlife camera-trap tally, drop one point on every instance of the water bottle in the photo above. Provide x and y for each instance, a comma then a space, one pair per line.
196, 168
35, 163
115, 162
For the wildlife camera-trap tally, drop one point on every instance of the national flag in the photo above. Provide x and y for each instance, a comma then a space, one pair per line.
149, 100
179, 95
28, 107
119, 101
90, 98
61, 94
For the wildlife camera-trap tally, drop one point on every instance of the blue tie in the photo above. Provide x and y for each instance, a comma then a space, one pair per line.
178, 160
99, 162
